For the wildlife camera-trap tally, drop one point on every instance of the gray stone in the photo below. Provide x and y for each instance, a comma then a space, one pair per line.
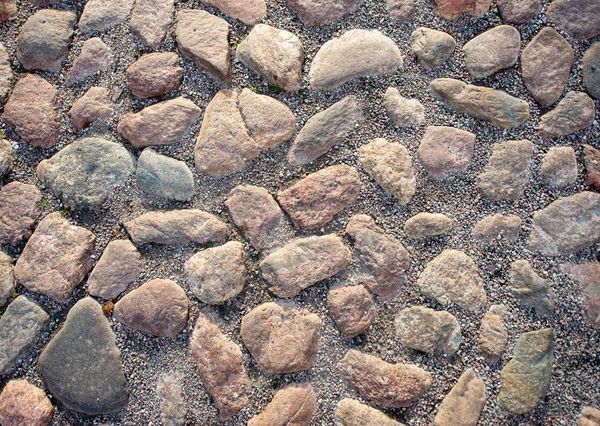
100, 15
351, 308
292, 405
423, 225
464, 403
401, 11
350, 412
7, 278
324, 130
431, 47
591, 71
164, 177
21, 403
426, 330
389, 164
6, 73
492, 228
94, 105
493, 336
95, 57
154, 74
530, 289
19, 210
454, 9
85, 347
587, 276
576, 111
217, 274
518, 11
275, 54
320, 12
21, 327
85, 173
578, 18
250, 12
356, 53
446, 151
589, 416
150, 20
559, 166
8, 157
491, 51
56, 258
402, 111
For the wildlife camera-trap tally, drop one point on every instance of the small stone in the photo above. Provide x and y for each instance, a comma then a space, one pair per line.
275, 54
7, 278
589, 416
464, 403
324, 130
44, 39
92, 106
95, 57
446, 151
164, 177
356, 53
304, 262
56, 258
19, 210
8, 10
484, 103
313, 13
315, 200
402, 111
217, 274
6, 73
567, 225
292, 405
454, 9
164, 123
7, 158
100, 15
21, 328
576, 111
518, 11
32, 111
431, 47
591, 70
250, 12
423, 225
493, 336
452, 277
204, 38
154, 74
426, 330
159, 307
177, 227
85, 347
380, 256
119, 266
221, 365
591, 161
525, 380
401, 11
384, 384
578, 18
21, 403
85, 173
389, 164
559, 166
150, 20
350, 412
282, 337
491, 51
532, 290
352, 309
491, 228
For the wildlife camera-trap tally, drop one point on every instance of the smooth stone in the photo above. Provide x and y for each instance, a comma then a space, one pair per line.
423, 225
530, 289
591, 70
85, 173
401, 11
164, 177
518, 11
150, 20
431, 47
591, 161
492, 228
155, 74
95, 57
7, 278
350, 412
293, 405
464, 403
493, 336
446, 151
19, 210
250, 12
21, 403
559, 167
313, 13
454, 9
281, 337
402, 111
85, 346
492, 51
351, 308
94, 105
426, 330
574, 112
589, 416
578, 18
6, 73
8, 156
101, 15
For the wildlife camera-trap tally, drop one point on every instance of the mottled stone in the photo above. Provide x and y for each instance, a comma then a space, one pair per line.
7, 278
454, 9
164, 177
423, 225
320, 12
352, 309
402, 111
8, 157
559, 166
493, 336
589, 416
591, 161
401, 11
591, 71
446, 151
6, 73
21, 403
92, 106
530, 289
491, 51
8, 10
574, 112
293, 405
154, 74
95, 57
578, 18
19, 210
587, 276
431, 47
426, 330
150, 20
100, 15
492, 228
250, 12
464, 403
518, 11
350, 412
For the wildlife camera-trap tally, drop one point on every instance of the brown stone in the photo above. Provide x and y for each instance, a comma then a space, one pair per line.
494, 50
493, 336
589, 416
559, 166
454, 9
320, 12
21, 403
587, 275
92, 106
575, 112
19, 210
578, 18
445, 151
491, 228
591, 160
350, 412
6, 74
352, 309
249, 12
95, 57
464, 403
154, 74
7, 278
401, 11
518, 11
8, 10
294, 405
150, 20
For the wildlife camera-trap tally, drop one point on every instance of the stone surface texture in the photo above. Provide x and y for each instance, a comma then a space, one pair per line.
100, 15
402, 111
320, 12
493, 228
21, 403
493, 336
559, 166
518, 11
154, 74
150, 20
587, 276
431, 47
454, 9
464, 403
95, 57
250, 12
164, 177
578, 18
94, 105
19, 210
7, 278
492, 51
350, 412
446, 151
293, 405
591, 70
423, 225
574, 112
352, 309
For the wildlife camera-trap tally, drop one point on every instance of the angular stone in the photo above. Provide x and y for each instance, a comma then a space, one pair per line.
250, 12
576, 111
119, 266
356, 53
532, 290
518, 11
282, 337
464, 402
100, 15
292, 405
275, 54
44, 39
56, 258
507, 172
384, 384
92, 106
591, 161
423, 225
21, 327
492, 228
431, 47
446, 151
484, 103
19, 210
95, 57
204, 38
379, 256
401, 11
320, 12
158, 307
428, 331
350, 412
324, 130
567, 225
454, 9
154, 74
8, 10
491, 51
32, 111
164, 177
389, 164
578, 18
493, 336
402, 111
21, 403
150, 20
6, 73
7, 158
452, 277
221, 365
315, 200
591, 71
85, 347
85, 173
525, 380
164, 123
177, 227
559, 166
304, 262
217, 274
7, 278
589, 416
352, 309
